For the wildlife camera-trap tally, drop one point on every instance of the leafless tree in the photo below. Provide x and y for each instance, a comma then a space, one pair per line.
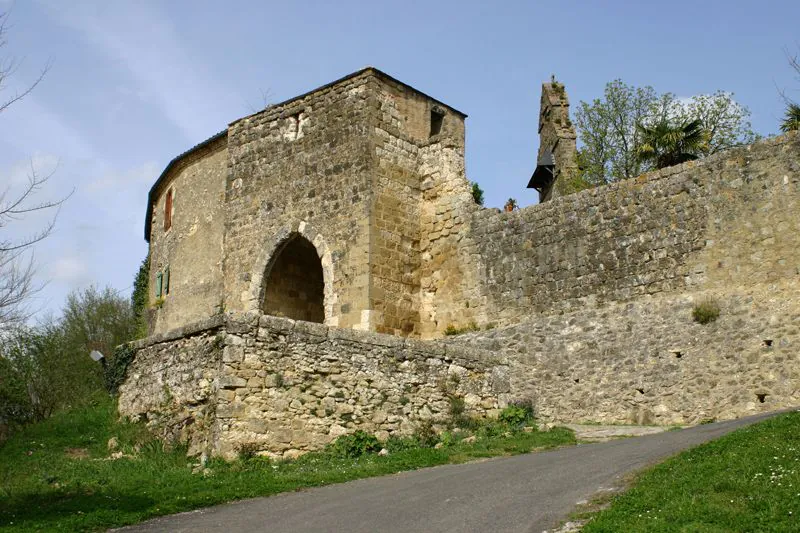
17, 283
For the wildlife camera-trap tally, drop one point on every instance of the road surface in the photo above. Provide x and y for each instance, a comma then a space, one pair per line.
524, 493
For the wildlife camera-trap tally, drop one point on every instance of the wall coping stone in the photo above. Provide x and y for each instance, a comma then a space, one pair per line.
194, 328
248, 322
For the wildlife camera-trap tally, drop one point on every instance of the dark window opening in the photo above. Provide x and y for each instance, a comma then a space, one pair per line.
437, 118
166, 280
159, 284
294, 283
168, 211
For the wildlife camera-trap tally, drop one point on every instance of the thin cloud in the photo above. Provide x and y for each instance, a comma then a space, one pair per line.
141, 39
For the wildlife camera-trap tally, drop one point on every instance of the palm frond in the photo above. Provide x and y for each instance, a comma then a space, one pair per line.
791, 120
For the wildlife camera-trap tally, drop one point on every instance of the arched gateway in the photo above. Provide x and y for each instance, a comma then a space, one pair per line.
294, 282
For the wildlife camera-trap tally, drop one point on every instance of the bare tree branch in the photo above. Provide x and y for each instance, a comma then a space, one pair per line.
17, 266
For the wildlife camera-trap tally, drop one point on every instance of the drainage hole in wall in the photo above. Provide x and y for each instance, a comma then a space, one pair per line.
577, 380
768, 343
640, 391
678, 354
761, 397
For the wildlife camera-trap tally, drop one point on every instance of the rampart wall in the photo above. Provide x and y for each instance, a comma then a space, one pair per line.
724, 223
288, 387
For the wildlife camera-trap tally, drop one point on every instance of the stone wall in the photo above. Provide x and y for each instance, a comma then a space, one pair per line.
297, 168
171, 383
727, 221
191, 249
409, 127
288, 386
649, 362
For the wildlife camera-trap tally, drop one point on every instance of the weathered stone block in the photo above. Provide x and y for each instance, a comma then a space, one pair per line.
231, 382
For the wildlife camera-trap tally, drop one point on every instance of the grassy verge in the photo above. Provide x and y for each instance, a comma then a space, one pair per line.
59, 476
746, 481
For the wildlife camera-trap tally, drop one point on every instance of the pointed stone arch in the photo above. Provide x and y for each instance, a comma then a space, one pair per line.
296, 240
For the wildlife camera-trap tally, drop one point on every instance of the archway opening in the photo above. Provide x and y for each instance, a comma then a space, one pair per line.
295, 284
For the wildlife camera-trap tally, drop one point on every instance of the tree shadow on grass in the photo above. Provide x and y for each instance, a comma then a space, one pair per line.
73, 511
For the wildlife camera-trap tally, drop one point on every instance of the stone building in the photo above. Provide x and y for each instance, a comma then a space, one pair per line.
320, 208
349, 206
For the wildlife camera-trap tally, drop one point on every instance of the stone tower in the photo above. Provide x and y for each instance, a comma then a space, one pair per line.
557, 159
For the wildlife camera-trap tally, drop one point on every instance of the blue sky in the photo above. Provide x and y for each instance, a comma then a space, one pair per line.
132, 84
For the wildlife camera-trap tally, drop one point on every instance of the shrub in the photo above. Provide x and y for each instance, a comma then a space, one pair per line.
247, 450
706, 311
517, 413
356, 444
425, 434
400, 444
457, 406
453, 330
477, 193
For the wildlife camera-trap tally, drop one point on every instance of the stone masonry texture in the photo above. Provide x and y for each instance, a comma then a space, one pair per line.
584, 302
288, 386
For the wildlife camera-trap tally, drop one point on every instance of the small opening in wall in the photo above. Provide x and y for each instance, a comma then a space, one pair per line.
576, 380
768, 343
761, 397
678, 354
437, 118
640, 390
168, 211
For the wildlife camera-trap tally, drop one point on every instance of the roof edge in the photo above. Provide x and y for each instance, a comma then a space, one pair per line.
180, 157
379, 73
168, 169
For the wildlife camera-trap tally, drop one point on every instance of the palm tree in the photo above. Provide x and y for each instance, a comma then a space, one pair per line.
791, 121
666, 143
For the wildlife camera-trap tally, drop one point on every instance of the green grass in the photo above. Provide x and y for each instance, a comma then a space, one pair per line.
746, 481
42, 488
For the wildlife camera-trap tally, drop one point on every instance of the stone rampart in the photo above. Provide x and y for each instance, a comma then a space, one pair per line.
728, 221
649, 362
287, 386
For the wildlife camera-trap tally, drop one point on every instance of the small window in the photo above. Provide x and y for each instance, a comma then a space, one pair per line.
159, 284
166, 280
437, 118
168, 211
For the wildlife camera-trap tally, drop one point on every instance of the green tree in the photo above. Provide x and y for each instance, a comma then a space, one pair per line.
477, 193
791, 121
671, 142
47, 367
608, 133
791, 118
140, 297
724, 120
610, 138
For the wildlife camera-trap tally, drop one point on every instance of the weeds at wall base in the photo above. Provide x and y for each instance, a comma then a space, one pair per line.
43, 488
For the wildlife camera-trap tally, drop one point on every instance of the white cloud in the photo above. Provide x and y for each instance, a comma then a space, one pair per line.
134, 181
30, 125
71, 270
143, 41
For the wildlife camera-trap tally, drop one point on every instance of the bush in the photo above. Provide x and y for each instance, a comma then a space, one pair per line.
706, 311
517, 414
47, 367
452, 330
356, 444
248, 451
425, 434
477, 193
401, 444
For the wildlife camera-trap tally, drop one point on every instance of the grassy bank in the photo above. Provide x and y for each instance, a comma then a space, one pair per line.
60, 476
748, 481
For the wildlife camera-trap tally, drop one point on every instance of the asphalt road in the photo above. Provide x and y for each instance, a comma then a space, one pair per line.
528, 493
